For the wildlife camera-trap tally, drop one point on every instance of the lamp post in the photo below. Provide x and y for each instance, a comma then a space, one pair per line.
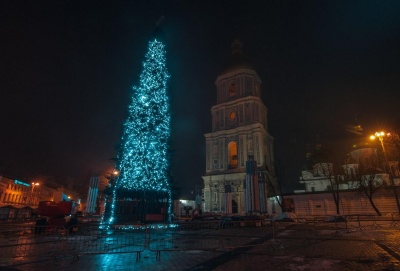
380, 136
33, 187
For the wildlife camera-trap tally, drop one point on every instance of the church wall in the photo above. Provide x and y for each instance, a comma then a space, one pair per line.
250, 141
214, 192
351, 202
246, 83
248, 110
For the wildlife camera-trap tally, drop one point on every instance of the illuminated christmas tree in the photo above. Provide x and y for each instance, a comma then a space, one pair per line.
143, 158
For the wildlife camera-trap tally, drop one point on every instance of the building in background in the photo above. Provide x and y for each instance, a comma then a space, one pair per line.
95, 197
363, 168
318, 178
91, 201
17, 193
239, 133
19, 199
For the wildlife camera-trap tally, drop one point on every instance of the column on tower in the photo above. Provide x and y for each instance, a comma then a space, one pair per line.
262, 184
227, 199
255, 189
251, 191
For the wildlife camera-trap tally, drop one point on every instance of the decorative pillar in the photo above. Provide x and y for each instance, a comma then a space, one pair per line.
227, 199
251, 188
263, 197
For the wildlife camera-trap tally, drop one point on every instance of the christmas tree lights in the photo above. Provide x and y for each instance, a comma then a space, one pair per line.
143, 163
143, 159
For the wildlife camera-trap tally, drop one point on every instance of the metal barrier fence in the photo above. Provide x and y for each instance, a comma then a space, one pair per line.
27, 243
238, 234
185, 236
31, 243
89, 239
319, 228
395, 219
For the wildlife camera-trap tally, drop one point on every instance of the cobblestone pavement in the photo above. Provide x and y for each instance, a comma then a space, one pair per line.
363, 249
370, 248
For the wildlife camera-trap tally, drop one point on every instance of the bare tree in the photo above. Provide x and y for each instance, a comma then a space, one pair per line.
367, 178
392, 146
326, 158
275, 180
334, 174
390, 151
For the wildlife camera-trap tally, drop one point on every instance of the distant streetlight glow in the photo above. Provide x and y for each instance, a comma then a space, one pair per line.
32, 200
33, 185
380, 136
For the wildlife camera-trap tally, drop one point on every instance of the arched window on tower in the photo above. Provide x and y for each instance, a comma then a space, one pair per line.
233, 157
232, 89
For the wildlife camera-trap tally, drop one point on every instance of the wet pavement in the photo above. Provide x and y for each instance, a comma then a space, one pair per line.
368, 248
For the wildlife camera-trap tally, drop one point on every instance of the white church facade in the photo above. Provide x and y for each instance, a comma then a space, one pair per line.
239, 133
317, 179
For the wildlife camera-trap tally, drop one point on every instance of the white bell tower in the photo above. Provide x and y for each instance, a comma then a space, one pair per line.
239, 131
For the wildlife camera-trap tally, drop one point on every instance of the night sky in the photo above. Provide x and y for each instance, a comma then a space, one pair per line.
67, 69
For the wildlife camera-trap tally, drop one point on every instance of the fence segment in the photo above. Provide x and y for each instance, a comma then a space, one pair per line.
236, 234
27, 242
185, 236
93, 240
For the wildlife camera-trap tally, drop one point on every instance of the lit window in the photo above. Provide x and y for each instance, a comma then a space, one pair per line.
232, 152
232, 115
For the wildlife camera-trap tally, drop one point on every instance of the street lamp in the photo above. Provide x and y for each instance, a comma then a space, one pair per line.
33, 187
380, 136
